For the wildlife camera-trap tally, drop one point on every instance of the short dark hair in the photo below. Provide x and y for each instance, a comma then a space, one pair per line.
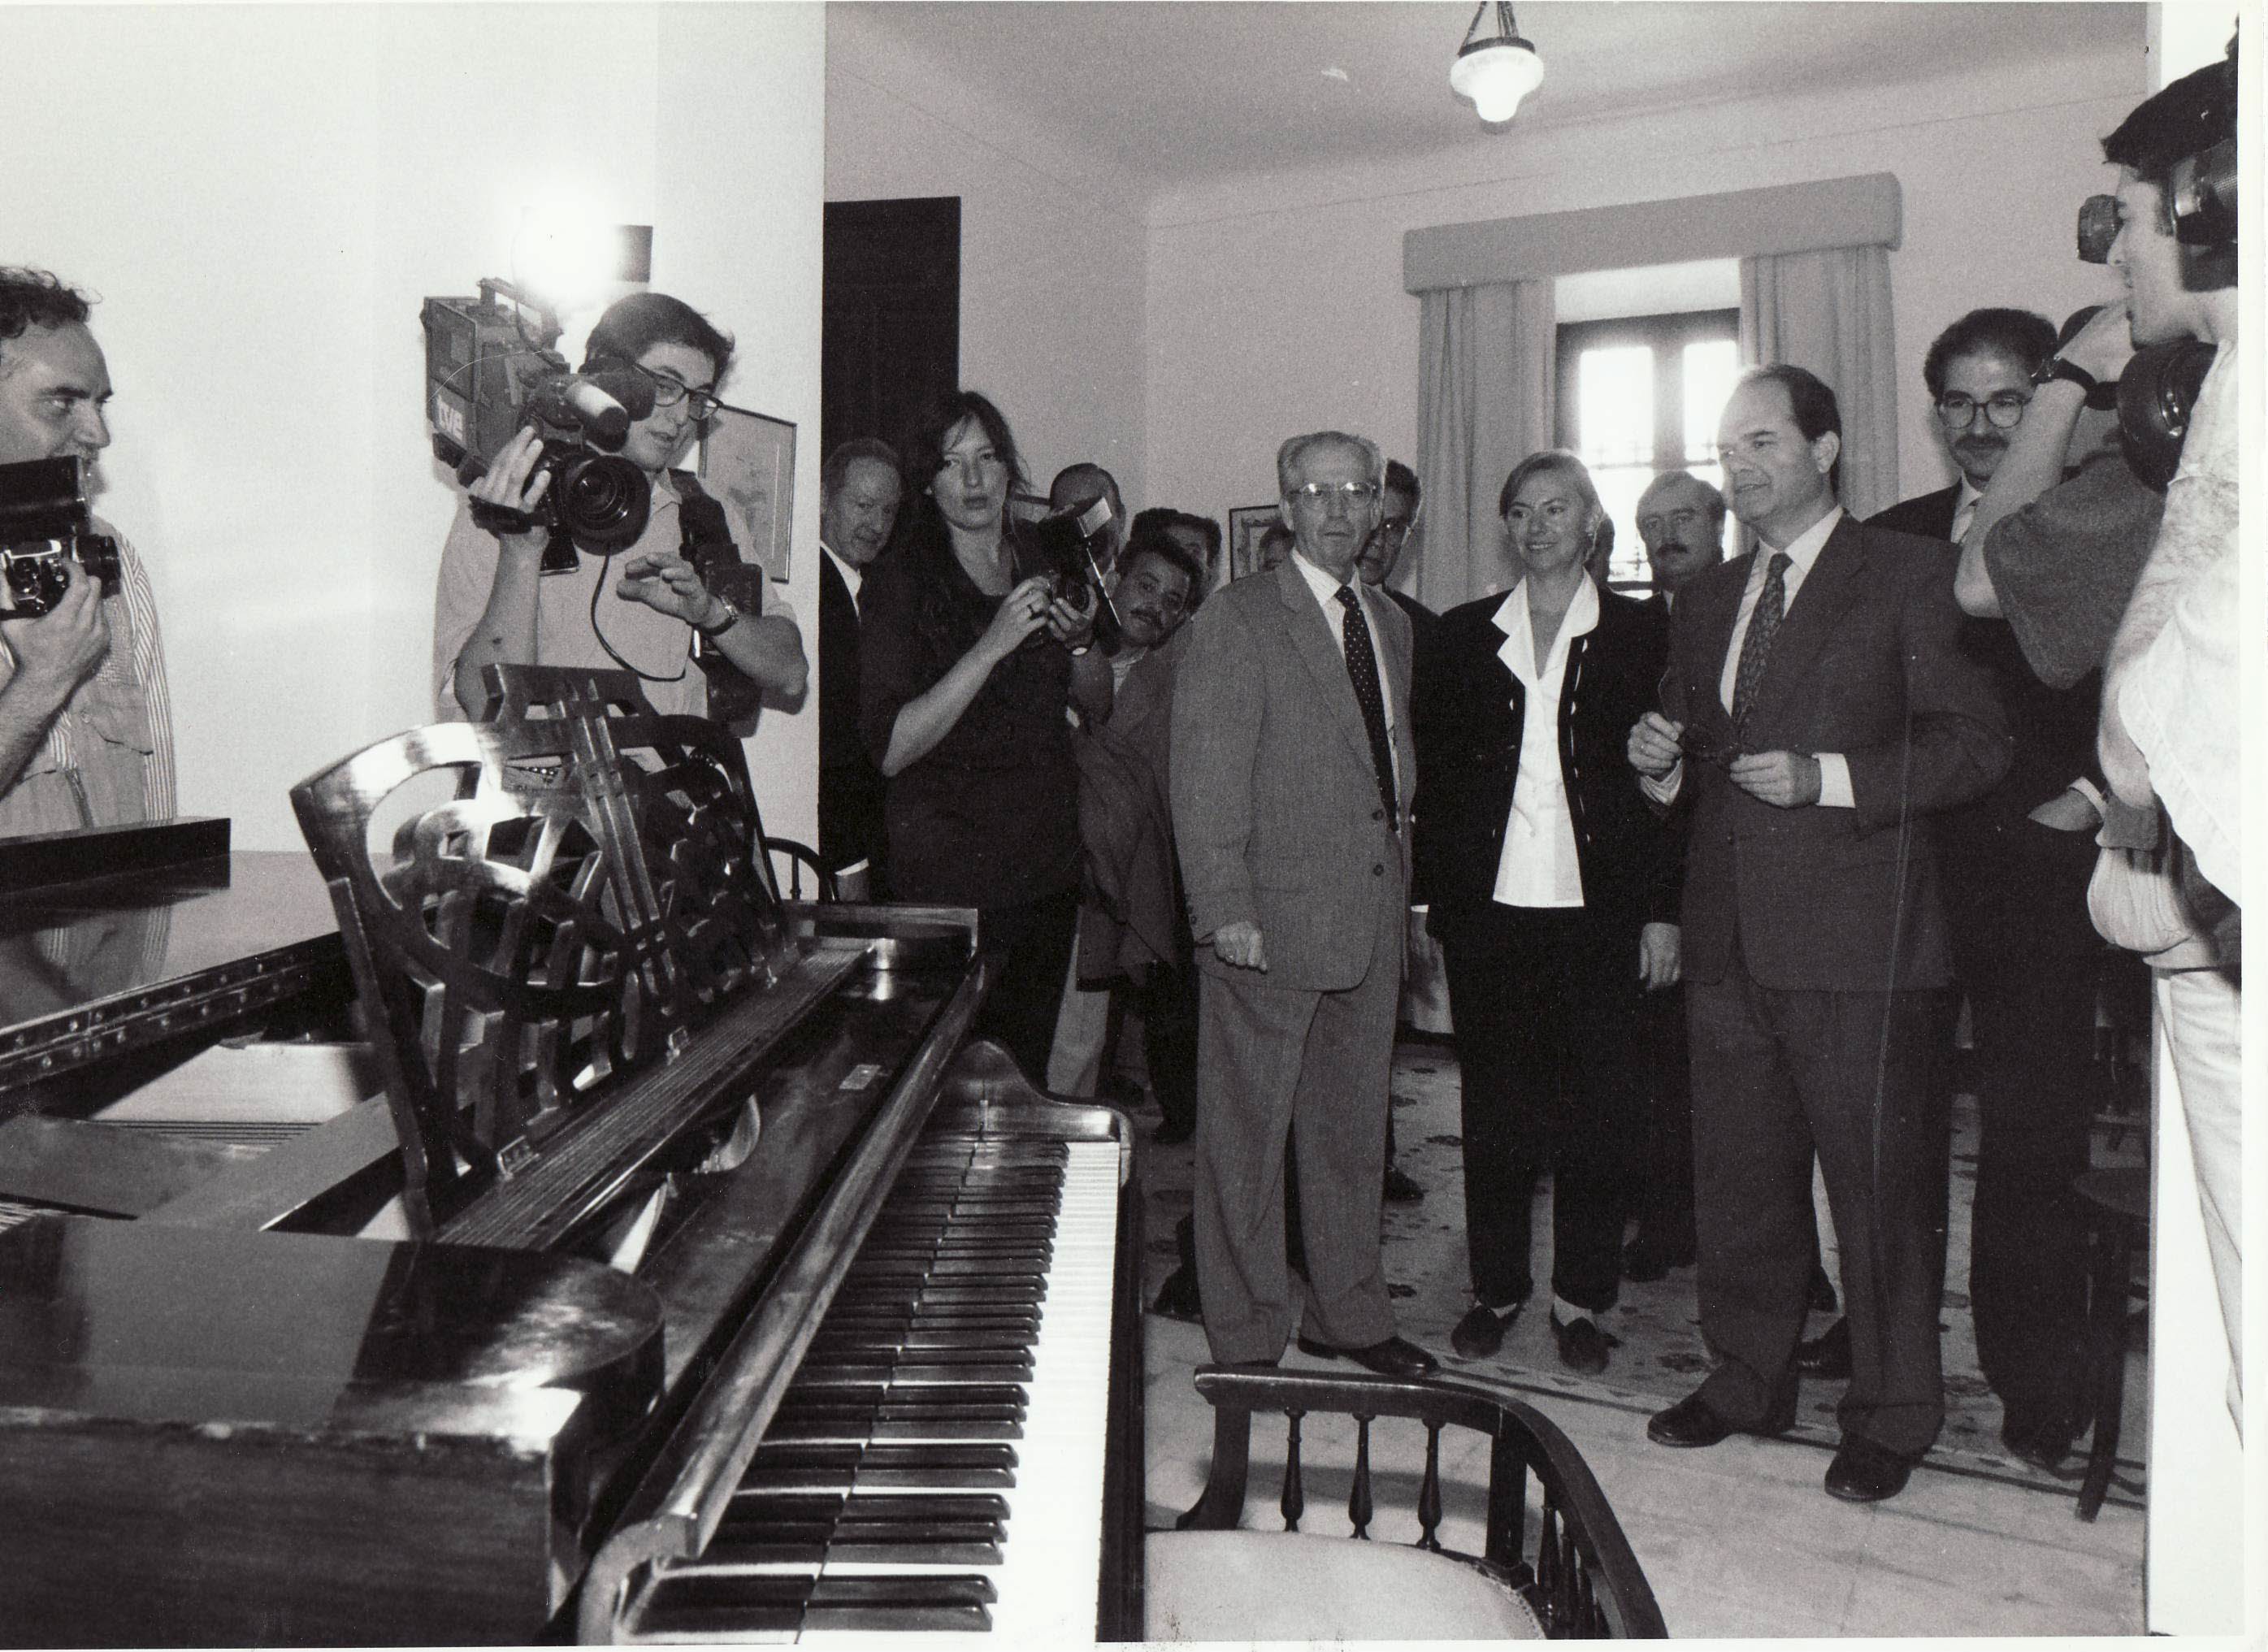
634, 325
837, 470
1813, 403
1400, 478
35, 298
2180, 119
1151, 539
925, 446
1562, 462
1082, 470
2026, 338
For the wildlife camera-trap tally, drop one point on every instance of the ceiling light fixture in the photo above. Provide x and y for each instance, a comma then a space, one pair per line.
1496, 71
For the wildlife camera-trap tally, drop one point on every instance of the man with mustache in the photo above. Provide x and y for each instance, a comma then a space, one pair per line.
859, 505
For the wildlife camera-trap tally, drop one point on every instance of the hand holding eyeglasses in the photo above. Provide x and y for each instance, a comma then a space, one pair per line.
1654, 747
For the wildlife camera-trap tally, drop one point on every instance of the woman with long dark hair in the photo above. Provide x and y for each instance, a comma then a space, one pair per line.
1553, 890
968, 660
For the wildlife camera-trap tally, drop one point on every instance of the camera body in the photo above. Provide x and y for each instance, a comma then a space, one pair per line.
1068, 541
490, 370
45, 527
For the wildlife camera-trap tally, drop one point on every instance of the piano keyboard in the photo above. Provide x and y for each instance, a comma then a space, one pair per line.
936, 1465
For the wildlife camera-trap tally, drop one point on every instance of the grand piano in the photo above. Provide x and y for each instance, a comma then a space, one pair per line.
674, 1266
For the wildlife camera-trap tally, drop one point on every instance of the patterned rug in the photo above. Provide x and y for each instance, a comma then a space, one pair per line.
1661, 1355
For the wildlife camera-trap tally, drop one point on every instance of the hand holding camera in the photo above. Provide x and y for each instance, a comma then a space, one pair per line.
504, 497
65, 645
1022, 614
668, 584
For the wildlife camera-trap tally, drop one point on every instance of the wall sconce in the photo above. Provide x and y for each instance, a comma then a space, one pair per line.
1495, 71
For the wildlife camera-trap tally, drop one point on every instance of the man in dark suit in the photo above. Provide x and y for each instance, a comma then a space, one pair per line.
1291, 778
859, 504
1680, 519
2017, 863
1816, 710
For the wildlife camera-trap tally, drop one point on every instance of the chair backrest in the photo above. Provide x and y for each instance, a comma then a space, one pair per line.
1575, 1567
591, 892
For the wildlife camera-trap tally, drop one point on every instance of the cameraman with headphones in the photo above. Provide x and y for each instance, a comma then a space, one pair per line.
2168, 883
643, 612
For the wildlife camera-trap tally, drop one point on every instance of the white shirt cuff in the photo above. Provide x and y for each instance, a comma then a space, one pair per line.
2089, 790
1664, 790
1834, 779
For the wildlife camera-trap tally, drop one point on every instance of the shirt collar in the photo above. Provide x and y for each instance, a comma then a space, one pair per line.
1582, 612
1320, 581
1804, 548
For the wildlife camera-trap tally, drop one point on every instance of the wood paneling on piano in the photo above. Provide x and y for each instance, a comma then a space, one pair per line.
738, 1294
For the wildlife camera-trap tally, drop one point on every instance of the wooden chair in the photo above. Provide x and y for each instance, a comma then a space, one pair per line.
1568, 1575
797, 861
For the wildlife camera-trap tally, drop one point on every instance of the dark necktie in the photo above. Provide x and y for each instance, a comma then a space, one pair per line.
1362, 667
1755, 647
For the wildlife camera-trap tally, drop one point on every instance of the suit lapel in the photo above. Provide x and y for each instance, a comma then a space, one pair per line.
1812, 618
1311, 635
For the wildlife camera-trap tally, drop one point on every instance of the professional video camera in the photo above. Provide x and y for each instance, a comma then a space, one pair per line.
489, 369
1068, 541
44, 525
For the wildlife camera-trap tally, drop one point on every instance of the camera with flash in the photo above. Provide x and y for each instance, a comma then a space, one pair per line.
45, 531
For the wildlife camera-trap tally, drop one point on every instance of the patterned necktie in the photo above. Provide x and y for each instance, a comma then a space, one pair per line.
1362, 667
1755, 647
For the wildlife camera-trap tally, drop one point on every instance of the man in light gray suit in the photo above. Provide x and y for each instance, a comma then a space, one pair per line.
1291, 773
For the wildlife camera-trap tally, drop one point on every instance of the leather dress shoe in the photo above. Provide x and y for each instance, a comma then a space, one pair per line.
1865, 1472
1693, 1421
1582, 1344
1393, 1357
1480, 1334
1401, 1187
1827, 1354
2042, 1441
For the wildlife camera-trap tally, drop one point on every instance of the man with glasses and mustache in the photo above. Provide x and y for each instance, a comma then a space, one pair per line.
2016, 864
641, 610
1291, 773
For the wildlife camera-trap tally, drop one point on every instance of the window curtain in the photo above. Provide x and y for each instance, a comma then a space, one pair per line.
1486, 379
1828, 311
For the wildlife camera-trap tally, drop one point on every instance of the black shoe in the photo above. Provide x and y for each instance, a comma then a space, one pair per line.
1480, 1334
1177, 1297
1827, 1354
2044, 1441
1400, 1188
1644, 1261
1582, 1344
1693, 1421
1822, 1299
1393, 1357
1173, 1132
1865, 1472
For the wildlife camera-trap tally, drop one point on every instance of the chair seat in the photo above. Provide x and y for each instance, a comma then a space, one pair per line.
1290, 1586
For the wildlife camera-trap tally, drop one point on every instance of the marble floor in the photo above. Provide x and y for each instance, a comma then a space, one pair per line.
1737, 1540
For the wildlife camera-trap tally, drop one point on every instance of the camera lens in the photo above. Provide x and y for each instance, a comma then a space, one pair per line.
602, 500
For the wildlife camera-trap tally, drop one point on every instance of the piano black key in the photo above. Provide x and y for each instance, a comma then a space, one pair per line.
899, 1604
700, 1599
955, 1466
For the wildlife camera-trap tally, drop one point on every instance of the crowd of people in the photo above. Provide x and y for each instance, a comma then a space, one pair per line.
1709, 871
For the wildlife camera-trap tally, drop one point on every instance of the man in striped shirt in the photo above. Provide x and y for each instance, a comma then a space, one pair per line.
85, 734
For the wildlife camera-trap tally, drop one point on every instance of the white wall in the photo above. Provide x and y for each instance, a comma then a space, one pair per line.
1051, 248
1275, 301
262, 196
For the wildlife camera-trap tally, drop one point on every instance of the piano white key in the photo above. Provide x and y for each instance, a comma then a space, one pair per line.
1047, 1577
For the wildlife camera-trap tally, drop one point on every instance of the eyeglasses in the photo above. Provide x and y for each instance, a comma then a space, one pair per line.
1317, 494
669, 392
2005, 411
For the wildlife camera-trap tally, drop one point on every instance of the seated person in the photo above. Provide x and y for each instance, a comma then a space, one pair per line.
86, 739
494, 606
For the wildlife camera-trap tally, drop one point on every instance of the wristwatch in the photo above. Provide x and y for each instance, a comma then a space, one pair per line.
2099, 396
732, 618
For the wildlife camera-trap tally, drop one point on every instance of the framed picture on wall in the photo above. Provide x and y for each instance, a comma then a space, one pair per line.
748, 465
1246, 524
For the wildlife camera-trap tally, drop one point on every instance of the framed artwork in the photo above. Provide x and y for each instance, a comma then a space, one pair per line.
1246, 524
748, 465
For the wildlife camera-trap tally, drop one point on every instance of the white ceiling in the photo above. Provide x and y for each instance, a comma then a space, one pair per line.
1170, 90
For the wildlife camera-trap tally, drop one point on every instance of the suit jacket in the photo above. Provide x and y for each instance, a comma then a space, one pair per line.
1276, 816
849, 785
1927, 514
1866, 663
1468, 714
1133, 917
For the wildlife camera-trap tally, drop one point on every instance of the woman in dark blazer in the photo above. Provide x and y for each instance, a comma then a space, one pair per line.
1553, 890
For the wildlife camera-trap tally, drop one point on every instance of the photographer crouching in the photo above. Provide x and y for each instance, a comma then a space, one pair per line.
637, 606
86, 739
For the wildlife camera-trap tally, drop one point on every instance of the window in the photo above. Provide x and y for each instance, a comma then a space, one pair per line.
1641, 395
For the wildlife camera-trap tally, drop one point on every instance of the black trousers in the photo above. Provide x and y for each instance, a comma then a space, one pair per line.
2028, 957
1169, 1041
1661, 1182
1545, 1002
1030, 943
